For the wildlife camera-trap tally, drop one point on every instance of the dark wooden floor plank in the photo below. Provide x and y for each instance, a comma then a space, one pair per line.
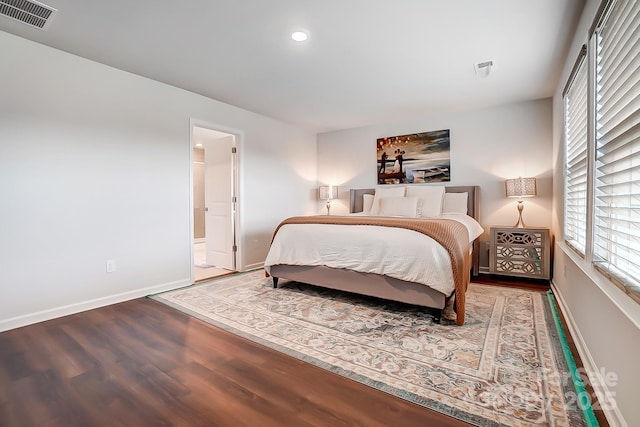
144, 363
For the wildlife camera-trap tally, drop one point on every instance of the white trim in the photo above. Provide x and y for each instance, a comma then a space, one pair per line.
254, 266
613, 415
192, 236
65, 310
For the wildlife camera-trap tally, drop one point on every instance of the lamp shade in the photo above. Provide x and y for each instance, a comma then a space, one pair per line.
328, 192
521, 187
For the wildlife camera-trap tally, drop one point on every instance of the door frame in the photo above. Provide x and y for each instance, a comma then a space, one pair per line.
238, 259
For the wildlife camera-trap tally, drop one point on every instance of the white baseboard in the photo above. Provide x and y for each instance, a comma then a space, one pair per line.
254, 266
41, 316
599, 385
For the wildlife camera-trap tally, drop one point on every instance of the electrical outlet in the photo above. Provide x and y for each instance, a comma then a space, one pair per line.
110, 265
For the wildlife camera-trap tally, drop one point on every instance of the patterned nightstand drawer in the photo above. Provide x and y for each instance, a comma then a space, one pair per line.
520, 252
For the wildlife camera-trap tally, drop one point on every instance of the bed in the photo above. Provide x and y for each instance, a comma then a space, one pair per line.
402, 256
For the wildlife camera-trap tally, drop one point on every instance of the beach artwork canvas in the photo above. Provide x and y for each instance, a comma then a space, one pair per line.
414, 158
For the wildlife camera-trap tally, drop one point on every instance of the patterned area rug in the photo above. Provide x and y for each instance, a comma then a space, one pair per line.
503, 367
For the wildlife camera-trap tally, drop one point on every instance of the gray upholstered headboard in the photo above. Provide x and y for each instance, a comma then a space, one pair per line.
356, 201
473, 191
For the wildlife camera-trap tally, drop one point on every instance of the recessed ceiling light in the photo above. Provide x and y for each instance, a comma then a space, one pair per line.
299, 36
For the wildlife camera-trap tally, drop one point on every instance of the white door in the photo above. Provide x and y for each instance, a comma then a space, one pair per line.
218, 199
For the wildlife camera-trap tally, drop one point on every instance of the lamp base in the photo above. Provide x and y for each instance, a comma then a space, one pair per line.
520, 223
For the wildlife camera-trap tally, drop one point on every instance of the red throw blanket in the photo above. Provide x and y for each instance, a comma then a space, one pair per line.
452, 235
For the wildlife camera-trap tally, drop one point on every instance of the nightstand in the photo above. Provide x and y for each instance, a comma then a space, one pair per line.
522, 252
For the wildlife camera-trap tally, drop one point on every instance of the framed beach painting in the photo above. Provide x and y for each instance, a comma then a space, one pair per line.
415, 158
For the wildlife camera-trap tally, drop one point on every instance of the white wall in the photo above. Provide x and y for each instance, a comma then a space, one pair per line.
487, 146
95, 165
604, 321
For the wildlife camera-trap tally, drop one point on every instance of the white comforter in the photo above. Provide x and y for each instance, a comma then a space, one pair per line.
394, 252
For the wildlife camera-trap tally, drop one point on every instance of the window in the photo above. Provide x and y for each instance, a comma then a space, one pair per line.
616, 248
575, 115
613, 241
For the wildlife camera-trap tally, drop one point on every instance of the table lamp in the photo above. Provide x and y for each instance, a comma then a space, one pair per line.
520, 188
328, 193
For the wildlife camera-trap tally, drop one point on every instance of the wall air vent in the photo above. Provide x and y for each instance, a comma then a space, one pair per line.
30, 12
483, 69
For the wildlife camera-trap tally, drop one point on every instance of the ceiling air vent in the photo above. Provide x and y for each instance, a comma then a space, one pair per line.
30, 12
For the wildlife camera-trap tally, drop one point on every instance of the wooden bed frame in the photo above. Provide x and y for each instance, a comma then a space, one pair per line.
376, 285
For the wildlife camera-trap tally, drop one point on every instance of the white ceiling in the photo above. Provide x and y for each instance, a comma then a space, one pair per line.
366, 61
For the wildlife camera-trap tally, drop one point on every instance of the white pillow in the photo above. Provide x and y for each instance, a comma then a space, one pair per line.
430, 204
455, 203
382, 193
399, 206
367, 203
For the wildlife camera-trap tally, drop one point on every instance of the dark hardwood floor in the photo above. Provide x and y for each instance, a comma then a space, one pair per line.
142, 363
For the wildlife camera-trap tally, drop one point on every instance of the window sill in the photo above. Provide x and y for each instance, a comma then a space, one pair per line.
627, 305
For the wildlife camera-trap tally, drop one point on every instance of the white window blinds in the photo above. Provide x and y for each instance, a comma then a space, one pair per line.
575, 119
616, 244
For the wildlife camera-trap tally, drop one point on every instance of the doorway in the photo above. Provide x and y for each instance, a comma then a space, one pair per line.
214, 202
